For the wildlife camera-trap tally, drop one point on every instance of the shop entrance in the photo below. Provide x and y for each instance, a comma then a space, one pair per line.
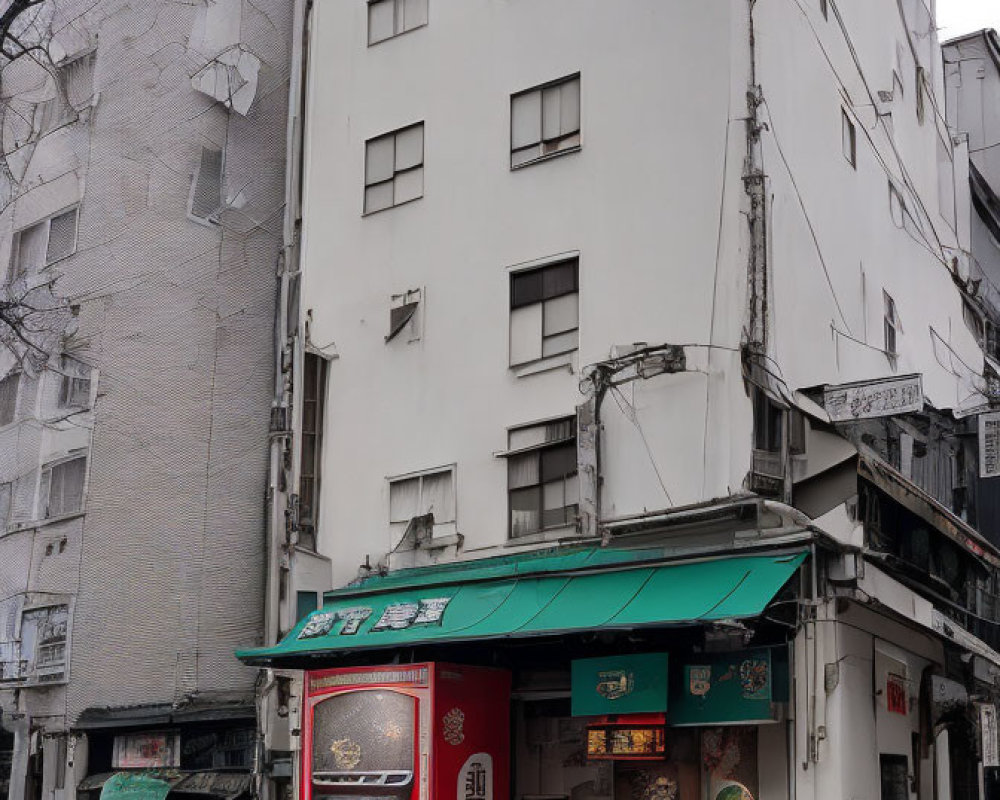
555, 760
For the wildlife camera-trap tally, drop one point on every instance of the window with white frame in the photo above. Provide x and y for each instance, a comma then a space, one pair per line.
890, 324
74, 384
44, 636
544, 311
545, 121
424, 493
394, 168
8, 397
62, 487
389, 18
43, 243
849, 138
542, 486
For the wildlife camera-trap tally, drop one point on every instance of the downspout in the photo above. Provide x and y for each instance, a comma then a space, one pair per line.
754, 185
288, 266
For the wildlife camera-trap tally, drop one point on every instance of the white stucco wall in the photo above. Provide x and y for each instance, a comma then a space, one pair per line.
858, 250
640, 202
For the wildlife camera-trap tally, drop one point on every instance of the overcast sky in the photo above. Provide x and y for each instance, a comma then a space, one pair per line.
956, 17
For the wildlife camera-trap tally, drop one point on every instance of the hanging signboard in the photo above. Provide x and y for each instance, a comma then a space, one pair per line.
724, 687
989, 445
626, 684
634, 737
144, 750
867, 399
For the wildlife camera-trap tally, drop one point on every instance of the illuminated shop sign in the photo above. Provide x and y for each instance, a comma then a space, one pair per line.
625, 740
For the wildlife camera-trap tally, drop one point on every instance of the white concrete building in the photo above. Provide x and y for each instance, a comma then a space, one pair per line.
576, 271
142, 187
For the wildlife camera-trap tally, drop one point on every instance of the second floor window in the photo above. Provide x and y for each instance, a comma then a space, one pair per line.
388, 18
43, 243
545, 121
426, 493
542, 487
394, 168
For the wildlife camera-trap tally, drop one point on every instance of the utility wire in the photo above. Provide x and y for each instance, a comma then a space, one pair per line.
805, 214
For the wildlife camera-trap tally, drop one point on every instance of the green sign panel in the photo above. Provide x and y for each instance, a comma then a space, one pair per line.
629, 684
725, 687
134, 786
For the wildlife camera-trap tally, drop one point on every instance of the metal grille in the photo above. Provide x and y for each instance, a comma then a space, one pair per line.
364, 731
62, 236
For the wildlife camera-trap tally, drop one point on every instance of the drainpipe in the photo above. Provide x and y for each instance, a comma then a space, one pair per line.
288, 266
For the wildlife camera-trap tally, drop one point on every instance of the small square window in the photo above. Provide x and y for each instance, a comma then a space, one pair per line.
404, 316
74, 386
542, 485
394, 168
424, 493
389, 18
544, 312
44, 243
62, 487
545, 121
849, 139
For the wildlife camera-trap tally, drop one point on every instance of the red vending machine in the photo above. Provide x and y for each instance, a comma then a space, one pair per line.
406, 732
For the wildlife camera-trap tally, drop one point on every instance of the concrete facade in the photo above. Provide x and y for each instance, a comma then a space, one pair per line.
653, 205
764, 200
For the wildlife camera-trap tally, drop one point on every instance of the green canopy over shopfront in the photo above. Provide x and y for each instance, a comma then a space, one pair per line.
586, 589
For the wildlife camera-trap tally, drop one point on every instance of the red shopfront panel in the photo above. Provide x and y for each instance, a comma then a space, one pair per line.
406, 732
471, 745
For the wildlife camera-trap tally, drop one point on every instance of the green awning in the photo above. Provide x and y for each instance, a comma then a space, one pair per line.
134, 786
603, 589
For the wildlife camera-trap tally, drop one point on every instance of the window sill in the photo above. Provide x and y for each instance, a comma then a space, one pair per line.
547, 157
397, 35
17, 527
559, 534
567, 360
389, 208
